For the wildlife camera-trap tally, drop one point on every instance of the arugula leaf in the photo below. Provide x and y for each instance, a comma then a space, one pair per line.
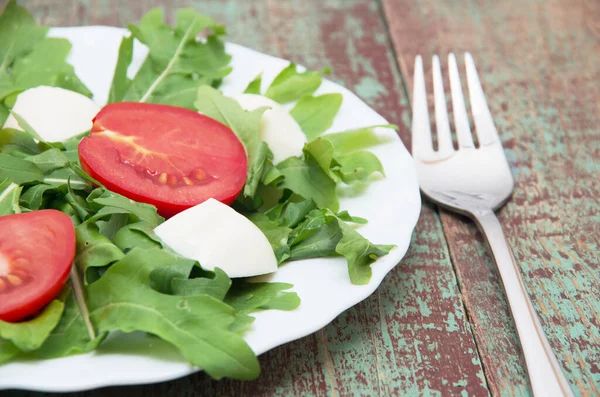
322, 151
290, 85
62, 177
254, 86
358, 139
70, 335
17, 143
4, 113
115, 222
122, 299
246, 296
315, 114
108, 199
215, 284
275, 233
120, 83
359, 252
290, 213
7, 350
46, 65
29, 59
323, 233
349, 168
138, 235
307, 178
94, 251
346, 217
49, 160
9, 197
177, 64
18, 170
31, 334
357, 166
25, 126
246, 125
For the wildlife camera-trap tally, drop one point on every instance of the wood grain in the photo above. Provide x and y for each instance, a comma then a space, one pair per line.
412, 337
540, 67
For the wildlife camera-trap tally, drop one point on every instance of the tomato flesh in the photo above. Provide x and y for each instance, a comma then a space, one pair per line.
36, 253
167, 156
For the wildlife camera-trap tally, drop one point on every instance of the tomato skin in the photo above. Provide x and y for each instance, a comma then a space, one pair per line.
38, 249
170, 157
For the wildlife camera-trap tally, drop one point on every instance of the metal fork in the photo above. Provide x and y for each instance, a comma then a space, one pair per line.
476, 181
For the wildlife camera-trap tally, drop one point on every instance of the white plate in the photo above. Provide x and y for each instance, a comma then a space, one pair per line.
391, 205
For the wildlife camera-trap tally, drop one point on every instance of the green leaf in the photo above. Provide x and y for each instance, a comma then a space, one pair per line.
29, 335
323, 233
357, 166
49, 160
115, 222
7, 351
62, 177
275, 233
47, 65
254, 86
4, 113
318, 242
241, 323
322, 151
136, 235
33, 197
25, 126
78, 203
359, 252
94, 251
215, 284
120, 82
177, 64
346, 217
18, 170
246, 125
9, 197
358, 139
143, 212
307, 178
70, 335
18, 31
15, 142
198, 325
315, 114
351, 167
291, 85
245, 296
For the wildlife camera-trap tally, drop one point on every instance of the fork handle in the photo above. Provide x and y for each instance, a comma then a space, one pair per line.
545, 373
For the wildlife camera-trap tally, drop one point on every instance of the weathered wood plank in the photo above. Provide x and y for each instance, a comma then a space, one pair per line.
539, 66
411, 337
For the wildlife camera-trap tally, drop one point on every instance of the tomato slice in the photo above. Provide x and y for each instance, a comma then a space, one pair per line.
170, 157
36, 252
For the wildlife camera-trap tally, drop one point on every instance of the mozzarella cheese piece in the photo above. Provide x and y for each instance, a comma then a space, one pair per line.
54, 113
216, 235
277, 127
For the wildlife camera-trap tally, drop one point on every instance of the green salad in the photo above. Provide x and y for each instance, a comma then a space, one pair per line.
124, 178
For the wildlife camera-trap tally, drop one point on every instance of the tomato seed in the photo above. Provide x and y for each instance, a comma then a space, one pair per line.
14, 280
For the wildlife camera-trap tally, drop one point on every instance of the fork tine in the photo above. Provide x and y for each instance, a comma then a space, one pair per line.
441, 112
484, 124
461, 121
421, 131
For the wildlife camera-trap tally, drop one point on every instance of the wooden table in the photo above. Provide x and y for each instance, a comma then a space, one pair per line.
439, 323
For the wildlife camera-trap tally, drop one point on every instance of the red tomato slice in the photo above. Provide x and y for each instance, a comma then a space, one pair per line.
167, 156
36, 252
